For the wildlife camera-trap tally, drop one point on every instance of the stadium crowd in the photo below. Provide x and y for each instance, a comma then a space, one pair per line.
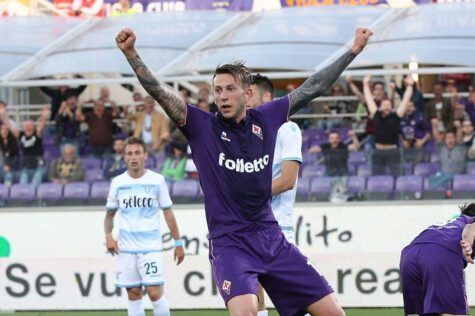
392, 144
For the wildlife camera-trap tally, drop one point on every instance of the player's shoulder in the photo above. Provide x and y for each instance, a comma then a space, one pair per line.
152, 175
289, 129
121, 178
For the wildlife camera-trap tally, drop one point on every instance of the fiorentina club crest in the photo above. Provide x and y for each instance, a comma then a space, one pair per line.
257, 131
227, 287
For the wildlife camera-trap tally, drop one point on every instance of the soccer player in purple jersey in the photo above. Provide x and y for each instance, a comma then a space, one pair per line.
432, 267
233, 152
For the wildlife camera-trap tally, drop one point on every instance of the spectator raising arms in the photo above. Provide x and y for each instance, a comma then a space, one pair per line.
33, 168
387, 126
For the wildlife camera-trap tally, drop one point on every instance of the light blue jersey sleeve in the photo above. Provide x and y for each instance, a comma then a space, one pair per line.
112, 200
291, 142
164, 199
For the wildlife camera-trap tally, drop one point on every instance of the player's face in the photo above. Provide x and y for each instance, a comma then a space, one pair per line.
230, 96
256, 99
134, 157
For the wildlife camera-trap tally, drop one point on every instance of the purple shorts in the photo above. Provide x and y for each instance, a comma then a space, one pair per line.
432, 280
242, 259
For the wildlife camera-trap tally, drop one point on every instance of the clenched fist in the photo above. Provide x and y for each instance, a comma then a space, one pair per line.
361, 39
126, 42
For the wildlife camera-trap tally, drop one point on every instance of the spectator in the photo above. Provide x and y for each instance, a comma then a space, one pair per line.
100, 127
115, 164
335, 153
417, 96
204, 94
415, 131
58, 96
185, 94
124, 9
452, 159
4, 119
335, 107
11, 153
468, 138
68, 168
66, 124
439, 111
202, 104
470, 106
174, 165
33, 167
151, 126
378, 94
386, 129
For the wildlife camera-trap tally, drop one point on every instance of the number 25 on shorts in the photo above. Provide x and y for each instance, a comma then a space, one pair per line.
151, 268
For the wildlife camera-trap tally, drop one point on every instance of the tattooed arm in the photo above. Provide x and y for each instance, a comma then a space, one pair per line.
322, 80
171, 102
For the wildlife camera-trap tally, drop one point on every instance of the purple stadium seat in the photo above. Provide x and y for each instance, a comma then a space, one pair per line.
76, 191
99, 190
356, 184
309, 159
434, 157
425, 169
320, 188
303, 189
185, 191
22, 193
357, 157
380, 187
409, 187
315, 170
93, 175
91, 163
313, 133
463, 186
343, 132
364, 170
52, 192
4, 190
159, 161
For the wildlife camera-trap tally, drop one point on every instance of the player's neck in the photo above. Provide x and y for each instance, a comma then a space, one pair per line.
136, 173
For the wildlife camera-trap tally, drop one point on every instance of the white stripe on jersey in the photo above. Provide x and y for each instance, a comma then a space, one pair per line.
139, 202
288, 146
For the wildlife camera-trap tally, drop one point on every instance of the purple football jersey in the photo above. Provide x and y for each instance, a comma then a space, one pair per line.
447, 235
234, 163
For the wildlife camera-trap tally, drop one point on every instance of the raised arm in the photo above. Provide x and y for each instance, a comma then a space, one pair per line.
171, 102
322, 80
368, 96
401, 109
355, 89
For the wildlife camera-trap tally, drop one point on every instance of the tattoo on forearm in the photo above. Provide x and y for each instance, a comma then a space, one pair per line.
173, 105
315, 85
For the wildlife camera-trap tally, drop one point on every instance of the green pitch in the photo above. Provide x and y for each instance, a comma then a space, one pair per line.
349, 312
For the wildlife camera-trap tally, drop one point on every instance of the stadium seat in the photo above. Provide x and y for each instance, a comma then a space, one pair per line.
380, 187
91, 163
355, 159
320, 188
408, 187
49, 193
21, 194
313, 133
303, 189
76, 192
93, 175
364, 170
434, 157
159, 161
356, 185
315, 170
185, 191
425, 169
150, 162
463, 186
99, 191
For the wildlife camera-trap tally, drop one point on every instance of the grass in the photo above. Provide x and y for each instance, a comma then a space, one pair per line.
349, 312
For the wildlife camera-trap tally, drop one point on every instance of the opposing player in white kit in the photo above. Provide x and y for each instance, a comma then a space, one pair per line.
285, 168
139, 194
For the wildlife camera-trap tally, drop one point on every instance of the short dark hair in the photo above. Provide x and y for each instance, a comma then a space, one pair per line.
467, 209
263, 83
238, 70
132, 140
377, 83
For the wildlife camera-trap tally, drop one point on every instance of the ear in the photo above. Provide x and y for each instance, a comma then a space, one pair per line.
248, 94
267, 97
